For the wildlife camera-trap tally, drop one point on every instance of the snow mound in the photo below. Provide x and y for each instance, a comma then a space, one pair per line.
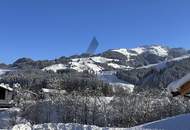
180, 122
23, 127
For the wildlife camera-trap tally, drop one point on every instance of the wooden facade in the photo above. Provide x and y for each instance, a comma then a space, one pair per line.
185, 89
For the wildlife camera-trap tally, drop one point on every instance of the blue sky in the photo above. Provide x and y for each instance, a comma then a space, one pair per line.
46, 29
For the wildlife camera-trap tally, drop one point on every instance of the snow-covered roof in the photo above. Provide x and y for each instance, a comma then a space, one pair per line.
2, 71
6, 86
45, 90
175, 85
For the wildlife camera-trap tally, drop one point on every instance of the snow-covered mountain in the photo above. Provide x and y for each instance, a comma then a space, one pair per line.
139, 61
129, 69
157, 75
121, 59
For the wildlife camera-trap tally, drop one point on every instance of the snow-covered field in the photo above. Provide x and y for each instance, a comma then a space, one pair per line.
180, 122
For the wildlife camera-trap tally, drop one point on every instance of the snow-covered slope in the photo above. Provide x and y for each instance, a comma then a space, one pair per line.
174, 123
163, 64
180, 122
145, 56
92, 64
82, 64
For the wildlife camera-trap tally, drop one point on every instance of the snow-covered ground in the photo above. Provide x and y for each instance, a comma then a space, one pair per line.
7, 117
180, 122
2, 71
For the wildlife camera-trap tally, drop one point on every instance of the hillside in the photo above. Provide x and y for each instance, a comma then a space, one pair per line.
139, 67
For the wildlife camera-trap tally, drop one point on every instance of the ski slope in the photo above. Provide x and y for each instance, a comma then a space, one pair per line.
162, 65
111, 78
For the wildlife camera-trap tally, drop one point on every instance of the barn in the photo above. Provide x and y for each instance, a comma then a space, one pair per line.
180, 86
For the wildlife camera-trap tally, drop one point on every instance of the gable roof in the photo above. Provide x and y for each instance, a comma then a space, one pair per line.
6, 86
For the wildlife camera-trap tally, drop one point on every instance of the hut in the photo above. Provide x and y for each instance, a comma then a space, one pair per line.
180, 86
6, 95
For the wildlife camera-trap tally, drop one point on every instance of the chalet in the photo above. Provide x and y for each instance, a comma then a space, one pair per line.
180, 86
